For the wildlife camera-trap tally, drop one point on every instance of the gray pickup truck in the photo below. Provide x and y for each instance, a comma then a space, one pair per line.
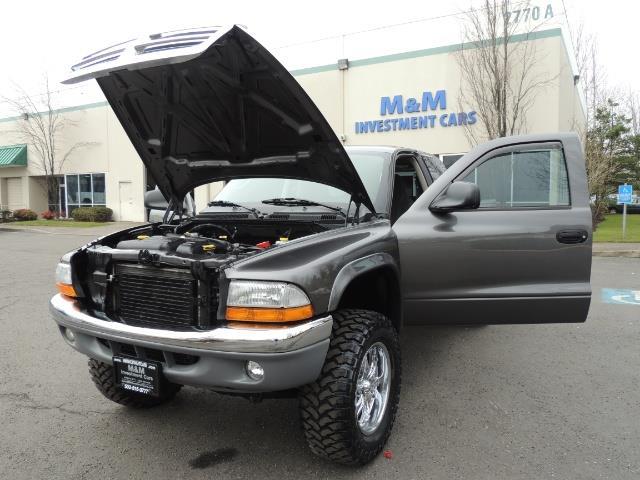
303, 272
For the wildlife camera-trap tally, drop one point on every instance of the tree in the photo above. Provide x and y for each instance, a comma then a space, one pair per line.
592, 78
633, 106
499, 75
628, 170
607, 143
612, 137
629, 162
41, 126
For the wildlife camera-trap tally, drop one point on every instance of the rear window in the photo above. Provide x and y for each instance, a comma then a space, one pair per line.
434, 165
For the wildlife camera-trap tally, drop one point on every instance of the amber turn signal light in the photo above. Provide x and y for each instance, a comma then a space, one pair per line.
66, 290
269, 315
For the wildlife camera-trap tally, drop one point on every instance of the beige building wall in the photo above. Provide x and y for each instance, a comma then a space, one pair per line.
101, 147
36, 194
557, 106
326, 90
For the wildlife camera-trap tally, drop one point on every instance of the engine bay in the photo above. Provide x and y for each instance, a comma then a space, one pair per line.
191, 252
203, 238
196, 243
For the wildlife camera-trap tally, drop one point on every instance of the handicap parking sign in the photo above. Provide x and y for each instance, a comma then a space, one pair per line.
621, 296
625, 194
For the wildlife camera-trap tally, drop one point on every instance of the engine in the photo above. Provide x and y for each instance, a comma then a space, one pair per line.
166, 276
201, 240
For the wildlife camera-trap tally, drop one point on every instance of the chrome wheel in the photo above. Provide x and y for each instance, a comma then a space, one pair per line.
372, 388
362, 372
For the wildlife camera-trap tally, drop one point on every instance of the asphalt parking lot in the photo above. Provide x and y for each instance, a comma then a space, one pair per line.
516, 402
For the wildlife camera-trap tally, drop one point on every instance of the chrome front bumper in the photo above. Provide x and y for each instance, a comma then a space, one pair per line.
291, 356
67, 313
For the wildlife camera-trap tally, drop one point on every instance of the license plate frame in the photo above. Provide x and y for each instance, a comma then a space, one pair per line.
142, 377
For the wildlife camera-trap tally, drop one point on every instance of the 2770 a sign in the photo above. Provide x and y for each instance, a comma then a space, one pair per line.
534, 13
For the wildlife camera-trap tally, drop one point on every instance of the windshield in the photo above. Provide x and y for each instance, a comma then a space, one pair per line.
371, 166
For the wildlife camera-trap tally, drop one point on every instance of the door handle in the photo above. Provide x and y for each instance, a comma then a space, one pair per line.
572, 236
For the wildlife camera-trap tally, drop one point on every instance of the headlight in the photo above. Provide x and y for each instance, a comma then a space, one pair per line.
63, 279
251, 301
63, 273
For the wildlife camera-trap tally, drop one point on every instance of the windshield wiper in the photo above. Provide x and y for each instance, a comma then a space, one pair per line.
301, 202
224, 203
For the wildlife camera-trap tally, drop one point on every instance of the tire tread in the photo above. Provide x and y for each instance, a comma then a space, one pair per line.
326, 405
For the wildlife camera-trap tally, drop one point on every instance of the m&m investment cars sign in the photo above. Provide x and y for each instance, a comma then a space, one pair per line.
428, 112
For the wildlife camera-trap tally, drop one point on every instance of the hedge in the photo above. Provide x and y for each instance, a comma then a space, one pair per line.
24, 214
92, 214
49, 215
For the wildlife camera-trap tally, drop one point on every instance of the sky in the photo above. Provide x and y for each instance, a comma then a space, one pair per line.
39, 38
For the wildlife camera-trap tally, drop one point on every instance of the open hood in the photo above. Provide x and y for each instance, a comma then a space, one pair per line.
213, 104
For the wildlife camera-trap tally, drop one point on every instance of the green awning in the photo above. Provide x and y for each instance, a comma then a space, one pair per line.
13, 156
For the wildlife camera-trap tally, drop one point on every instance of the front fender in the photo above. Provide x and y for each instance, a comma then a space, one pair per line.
322, 264
359, 267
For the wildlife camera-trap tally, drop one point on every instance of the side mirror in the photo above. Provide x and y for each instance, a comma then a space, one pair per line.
154, 200
458, 196
156, 205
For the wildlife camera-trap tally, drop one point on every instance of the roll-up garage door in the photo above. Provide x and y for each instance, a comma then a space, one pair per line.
14, 193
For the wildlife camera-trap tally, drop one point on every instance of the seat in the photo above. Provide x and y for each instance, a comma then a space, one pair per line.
402, 196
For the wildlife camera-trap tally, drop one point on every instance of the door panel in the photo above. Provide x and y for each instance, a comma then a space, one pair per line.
15, 197
125, 191
506, 262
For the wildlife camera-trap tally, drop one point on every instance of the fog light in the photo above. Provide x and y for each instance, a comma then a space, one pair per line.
69, 335
254, 370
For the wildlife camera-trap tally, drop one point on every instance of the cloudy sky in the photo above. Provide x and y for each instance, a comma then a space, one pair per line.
39, 37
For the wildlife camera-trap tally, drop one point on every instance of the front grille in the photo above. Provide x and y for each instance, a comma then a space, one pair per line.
151, 296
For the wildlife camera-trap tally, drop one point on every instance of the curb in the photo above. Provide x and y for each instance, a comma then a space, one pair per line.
617, 253
58, 231
94, 231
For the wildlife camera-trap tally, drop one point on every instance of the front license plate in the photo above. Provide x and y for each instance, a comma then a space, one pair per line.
138, 376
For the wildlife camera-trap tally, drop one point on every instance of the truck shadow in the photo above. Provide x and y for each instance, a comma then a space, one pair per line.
214, 433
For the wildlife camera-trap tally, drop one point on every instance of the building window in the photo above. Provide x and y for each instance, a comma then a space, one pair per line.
86, 195
99, 197
84, 190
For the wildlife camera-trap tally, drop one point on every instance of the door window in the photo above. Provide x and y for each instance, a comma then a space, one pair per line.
57, 203
519, 179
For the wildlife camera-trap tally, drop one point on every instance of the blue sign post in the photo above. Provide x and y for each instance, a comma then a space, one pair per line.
625, 197
625, 194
